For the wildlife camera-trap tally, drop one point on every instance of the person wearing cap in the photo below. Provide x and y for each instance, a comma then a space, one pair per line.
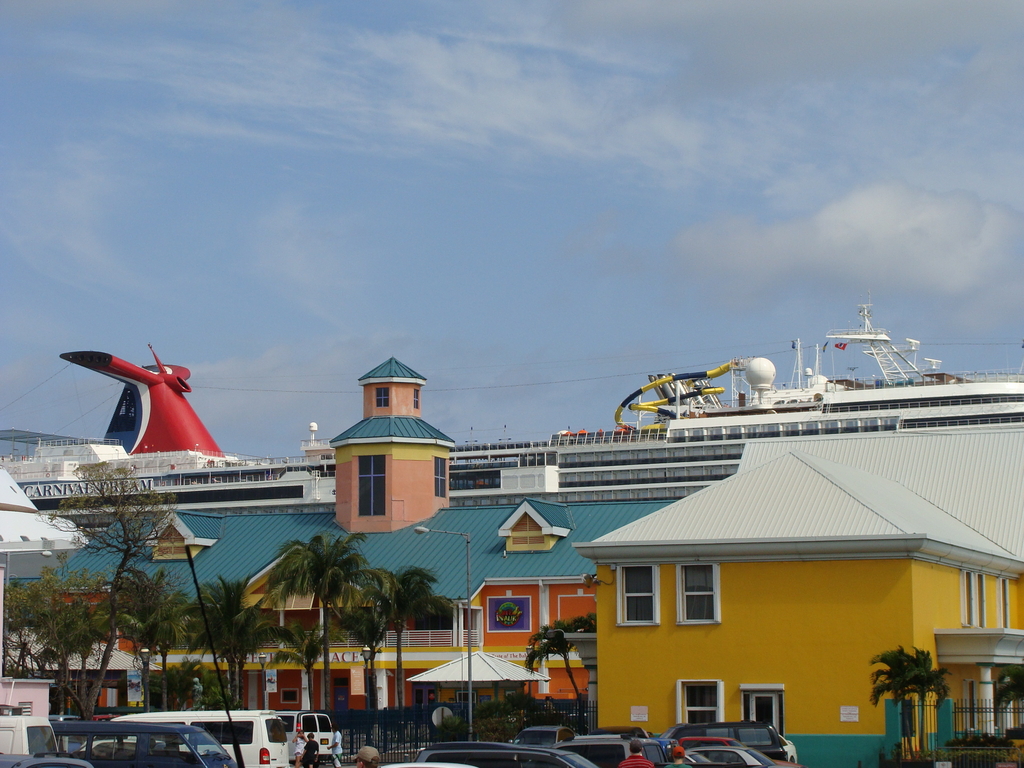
678, 754
636, 759
367, 757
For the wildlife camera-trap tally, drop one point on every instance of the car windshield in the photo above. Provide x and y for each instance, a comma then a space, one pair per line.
204, 744
40, 739
754, 737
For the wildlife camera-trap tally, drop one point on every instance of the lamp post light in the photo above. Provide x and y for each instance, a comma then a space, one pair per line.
144, 654
469, 622
367, 654
263, 676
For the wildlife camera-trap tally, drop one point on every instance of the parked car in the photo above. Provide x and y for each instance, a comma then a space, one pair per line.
114, 744
690, 742
261, 734
544, 735
608, 751
746, 756
491, 754
310, 722
760, 736
26, 735
44, 761
633, 731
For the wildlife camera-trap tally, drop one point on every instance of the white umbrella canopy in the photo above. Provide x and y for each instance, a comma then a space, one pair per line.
486, 669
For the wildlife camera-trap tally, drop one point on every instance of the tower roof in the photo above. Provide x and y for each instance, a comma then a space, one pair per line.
392, 429
392, 369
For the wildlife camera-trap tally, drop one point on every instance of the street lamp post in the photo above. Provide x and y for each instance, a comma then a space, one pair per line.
469, 622
263, 677
144, 654
367, 654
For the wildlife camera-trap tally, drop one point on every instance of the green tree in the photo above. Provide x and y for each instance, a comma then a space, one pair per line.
117, 519
303, 647
403, 596
555, 640
238, 625
155, 616
906, 676
1010, 685
66, 619
330, 568
369, 628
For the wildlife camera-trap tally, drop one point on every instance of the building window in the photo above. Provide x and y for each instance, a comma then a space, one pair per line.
698, 591
699, 701
383, 396
440, 478
1003, 587
416, 397
972, 599
371, 485
638, 604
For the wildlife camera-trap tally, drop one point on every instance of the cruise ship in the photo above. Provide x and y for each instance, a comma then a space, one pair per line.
677, 434
155, 432
674, 435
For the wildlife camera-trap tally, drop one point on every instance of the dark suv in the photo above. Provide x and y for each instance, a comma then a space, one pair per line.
761, 736
491, 754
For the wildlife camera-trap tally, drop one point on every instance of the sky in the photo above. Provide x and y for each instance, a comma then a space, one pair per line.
532, 204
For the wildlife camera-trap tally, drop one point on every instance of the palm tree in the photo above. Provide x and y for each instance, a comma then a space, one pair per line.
239, 627
369, 628
407, 594
554, 640
302, 647
331, 569
906, 675
155, 616
1010, 685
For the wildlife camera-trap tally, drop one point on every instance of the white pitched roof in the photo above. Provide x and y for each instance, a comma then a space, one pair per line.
486, 669
976, 476
947, 498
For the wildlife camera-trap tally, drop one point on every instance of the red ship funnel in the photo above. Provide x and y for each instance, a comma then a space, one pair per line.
152, 414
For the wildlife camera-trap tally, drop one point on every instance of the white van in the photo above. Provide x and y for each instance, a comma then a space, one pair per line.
311, 722
26, 735
261, 734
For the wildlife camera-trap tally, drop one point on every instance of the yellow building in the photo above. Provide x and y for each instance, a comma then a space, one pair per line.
765, 596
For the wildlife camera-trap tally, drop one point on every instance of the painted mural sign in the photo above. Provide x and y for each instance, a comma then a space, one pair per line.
508, 614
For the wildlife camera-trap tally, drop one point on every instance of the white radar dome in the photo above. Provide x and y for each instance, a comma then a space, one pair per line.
313, 427
760, 373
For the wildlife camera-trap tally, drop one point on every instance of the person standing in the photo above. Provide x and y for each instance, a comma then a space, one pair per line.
678, 754
335, 745
311, 751
298, 744
636, 759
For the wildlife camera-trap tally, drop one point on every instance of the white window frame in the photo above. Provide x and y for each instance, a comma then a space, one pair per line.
655, 597
681, 595
681, 708
1003, 604
972, 599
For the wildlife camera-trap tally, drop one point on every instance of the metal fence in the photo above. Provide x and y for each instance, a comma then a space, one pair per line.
398, 734
973, 717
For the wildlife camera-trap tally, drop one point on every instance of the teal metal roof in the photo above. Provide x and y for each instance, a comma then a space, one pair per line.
248, 542
381, 427
202, 524
392, 369
557, 515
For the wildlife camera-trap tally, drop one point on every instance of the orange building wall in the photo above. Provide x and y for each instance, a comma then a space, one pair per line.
400, 400
409, 485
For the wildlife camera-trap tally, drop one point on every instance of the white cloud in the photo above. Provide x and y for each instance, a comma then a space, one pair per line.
951, 245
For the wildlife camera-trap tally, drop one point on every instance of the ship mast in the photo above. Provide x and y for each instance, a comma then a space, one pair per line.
892, 360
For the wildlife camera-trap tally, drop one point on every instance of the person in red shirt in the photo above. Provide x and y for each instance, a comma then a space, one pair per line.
635, 759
